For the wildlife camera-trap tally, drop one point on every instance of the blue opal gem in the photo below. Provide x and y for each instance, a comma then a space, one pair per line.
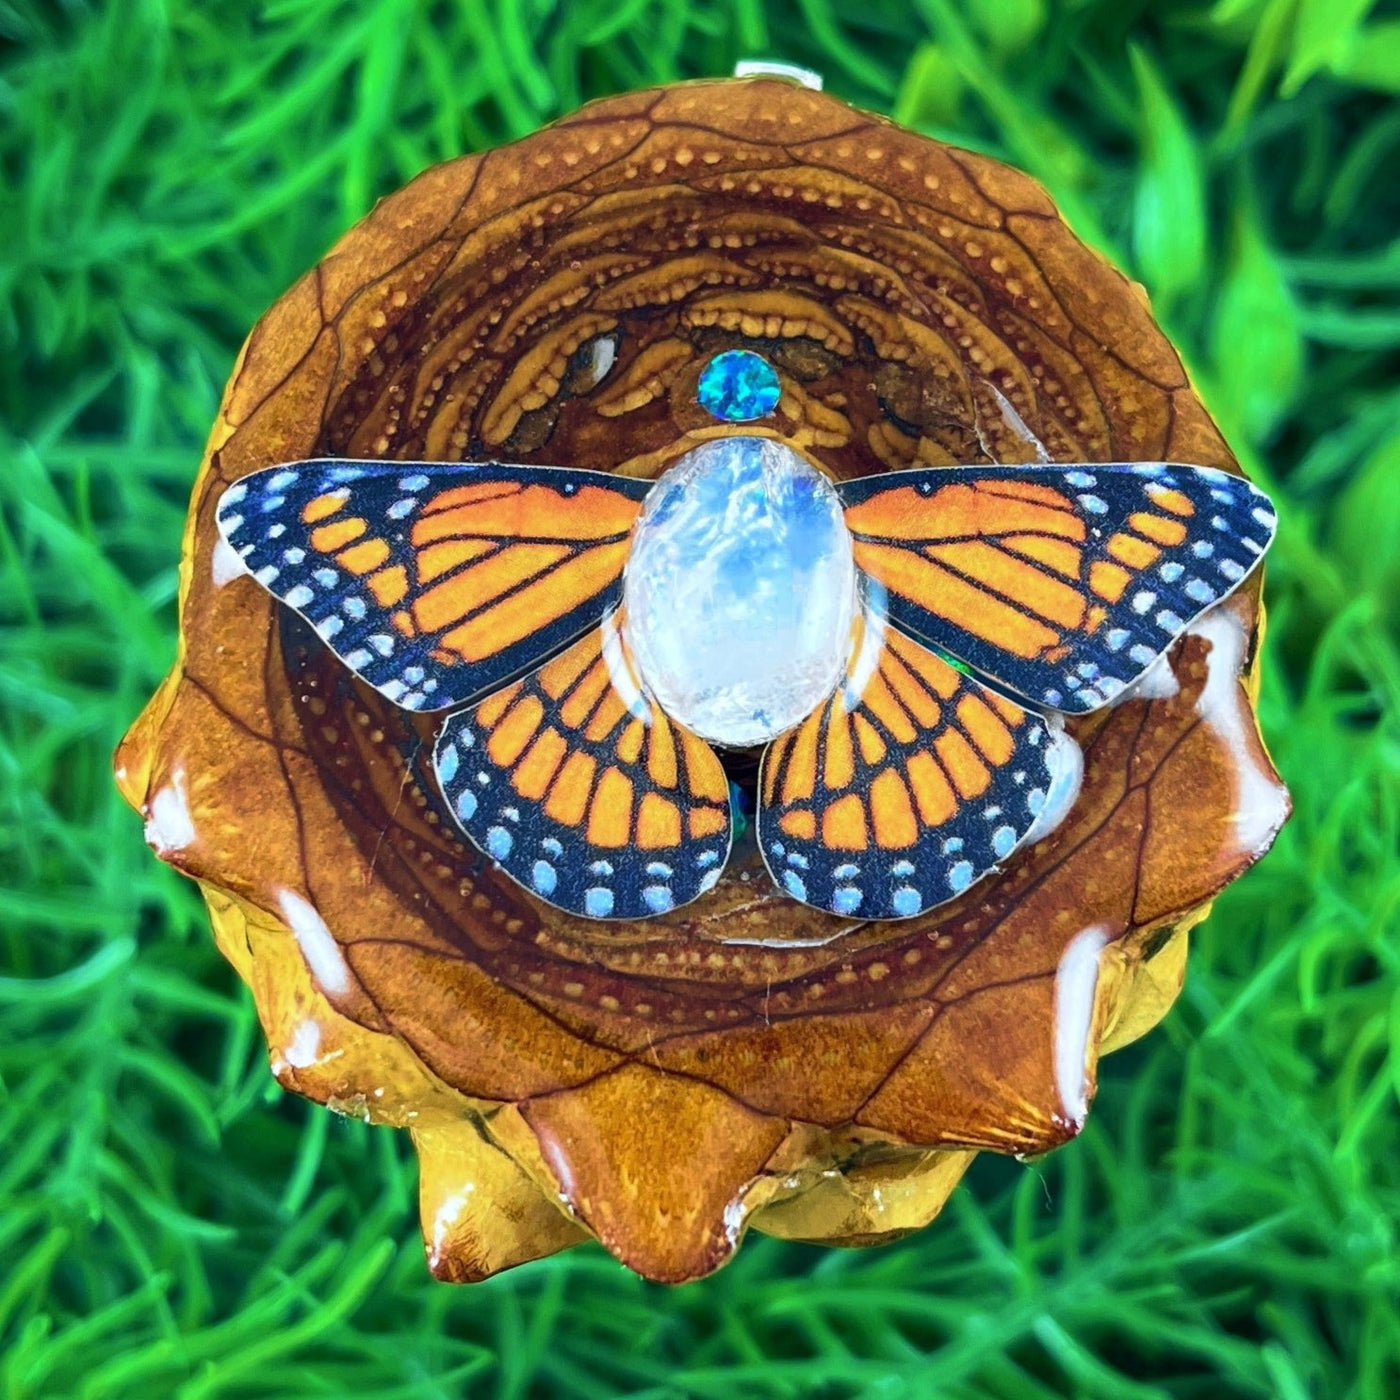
738, 386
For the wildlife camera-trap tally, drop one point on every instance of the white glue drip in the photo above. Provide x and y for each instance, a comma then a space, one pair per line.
225, 565
317, 944
1158, 682
170, 827
304, 1048
1017, 424
1076, 981
1067, 763
1261, 804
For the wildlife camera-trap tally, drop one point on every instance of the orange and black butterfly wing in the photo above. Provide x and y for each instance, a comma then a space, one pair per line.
1063, 583
906, 787
585, 792
436, 583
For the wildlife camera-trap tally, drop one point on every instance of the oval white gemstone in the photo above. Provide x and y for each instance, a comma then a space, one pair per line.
740, 590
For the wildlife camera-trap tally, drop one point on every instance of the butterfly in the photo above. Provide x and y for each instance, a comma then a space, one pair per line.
996, 600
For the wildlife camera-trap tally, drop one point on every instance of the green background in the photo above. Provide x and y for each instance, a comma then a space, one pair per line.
171, 1224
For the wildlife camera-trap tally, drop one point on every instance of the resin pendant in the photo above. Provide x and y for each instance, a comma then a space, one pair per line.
452, 799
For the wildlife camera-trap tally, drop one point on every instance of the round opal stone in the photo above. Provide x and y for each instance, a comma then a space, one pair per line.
738, 386
740, 590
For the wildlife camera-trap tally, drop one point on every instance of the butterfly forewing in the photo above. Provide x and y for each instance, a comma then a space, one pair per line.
908, 785
584, 791
1062, 583
436, 583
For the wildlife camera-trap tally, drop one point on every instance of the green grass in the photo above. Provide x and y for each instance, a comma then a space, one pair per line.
172, 1225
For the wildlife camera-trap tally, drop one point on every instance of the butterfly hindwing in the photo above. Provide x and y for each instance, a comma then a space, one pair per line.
584, 791
436, 583
908, 785
1062, 583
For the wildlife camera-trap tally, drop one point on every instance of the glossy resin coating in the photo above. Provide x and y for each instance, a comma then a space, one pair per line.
661, 1085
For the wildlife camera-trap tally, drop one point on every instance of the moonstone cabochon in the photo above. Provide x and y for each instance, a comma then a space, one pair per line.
662, 1085
740, 590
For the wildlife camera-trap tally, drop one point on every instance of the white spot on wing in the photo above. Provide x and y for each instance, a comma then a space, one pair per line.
317, 943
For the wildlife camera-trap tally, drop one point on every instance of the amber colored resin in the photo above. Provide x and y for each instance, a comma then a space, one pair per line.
663, 1085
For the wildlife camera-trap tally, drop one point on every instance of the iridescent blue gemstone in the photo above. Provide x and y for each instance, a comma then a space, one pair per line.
738, 386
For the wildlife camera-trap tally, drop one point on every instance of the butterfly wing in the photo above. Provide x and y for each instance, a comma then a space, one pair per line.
910, 783
1062, 583
584, 791
436, 583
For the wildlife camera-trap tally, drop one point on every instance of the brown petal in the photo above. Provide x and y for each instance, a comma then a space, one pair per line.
481, 1213
869, 1202
656, 1165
